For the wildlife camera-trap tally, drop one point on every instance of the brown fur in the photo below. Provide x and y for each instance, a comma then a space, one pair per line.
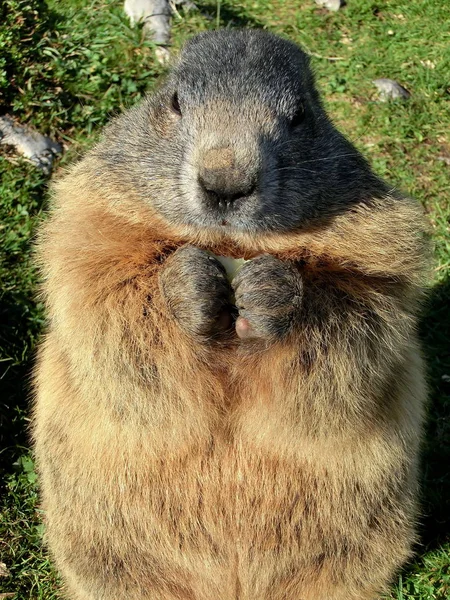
172, 469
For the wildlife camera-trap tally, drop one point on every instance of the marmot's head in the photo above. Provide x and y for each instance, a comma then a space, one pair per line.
236, 139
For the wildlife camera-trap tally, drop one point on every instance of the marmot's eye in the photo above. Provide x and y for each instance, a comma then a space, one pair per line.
175, 105
298, 117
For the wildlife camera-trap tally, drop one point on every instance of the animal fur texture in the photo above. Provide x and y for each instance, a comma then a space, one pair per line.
177, 459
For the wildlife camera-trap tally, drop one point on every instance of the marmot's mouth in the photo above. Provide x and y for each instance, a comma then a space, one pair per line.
225, 204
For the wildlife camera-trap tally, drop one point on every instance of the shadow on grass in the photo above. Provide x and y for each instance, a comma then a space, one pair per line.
435, 335
231, 16
22, 193
19, 330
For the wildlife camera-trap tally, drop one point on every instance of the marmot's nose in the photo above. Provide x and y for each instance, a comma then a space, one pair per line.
222, 179
224, 188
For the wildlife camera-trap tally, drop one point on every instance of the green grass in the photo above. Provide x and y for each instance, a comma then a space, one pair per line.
67, 69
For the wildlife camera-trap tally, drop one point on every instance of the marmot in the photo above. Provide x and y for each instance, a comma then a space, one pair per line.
257, 440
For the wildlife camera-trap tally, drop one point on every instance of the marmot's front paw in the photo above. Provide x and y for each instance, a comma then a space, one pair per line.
197, 292
268, 295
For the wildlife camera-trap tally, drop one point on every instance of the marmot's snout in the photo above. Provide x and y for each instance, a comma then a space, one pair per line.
224, 177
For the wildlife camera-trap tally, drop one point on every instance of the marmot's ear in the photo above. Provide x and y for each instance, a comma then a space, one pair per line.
175, 104
299, 116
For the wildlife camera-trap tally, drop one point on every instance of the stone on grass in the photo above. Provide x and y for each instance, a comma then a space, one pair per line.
162, 54
38, 148
331, 4
390, 89
155, 16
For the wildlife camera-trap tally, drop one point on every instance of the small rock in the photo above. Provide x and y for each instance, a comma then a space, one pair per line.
4, 570
155, 16
186, 4
38, 148
390, 89
162, 54
429, 64
333, 5
345, 39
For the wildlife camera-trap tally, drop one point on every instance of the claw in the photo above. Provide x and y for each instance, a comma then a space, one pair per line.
243, 328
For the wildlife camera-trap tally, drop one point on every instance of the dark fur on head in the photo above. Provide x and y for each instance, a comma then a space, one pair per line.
249, 97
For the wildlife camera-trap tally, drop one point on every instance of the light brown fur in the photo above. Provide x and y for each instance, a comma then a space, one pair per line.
177, 470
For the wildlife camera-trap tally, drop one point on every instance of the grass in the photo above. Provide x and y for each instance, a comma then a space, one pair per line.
66, 67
